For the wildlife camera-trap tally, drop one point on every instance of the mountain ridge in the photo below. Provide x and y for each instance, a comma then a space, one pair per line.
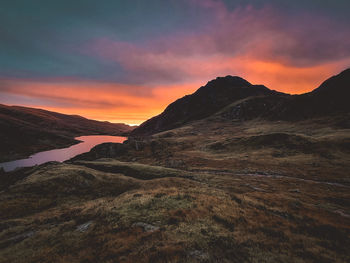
328, 99
216, 94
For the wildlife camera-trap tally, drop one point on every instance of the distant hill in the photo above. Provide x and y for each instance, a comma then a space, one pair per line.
24, 131
235, 98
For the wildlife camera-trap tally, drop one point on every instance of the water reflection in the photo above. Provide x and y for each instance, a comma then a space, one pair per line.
64, 154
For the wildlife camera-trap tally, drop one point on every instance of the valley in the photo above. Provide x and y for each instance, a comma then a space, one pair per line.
25, 131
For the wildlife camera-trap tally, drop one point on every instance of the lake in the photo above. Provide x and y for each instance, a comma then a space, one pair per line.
64, 154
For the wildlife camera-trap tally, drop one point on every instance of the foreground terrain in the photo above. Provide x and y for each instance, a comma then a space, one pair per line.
248, 182
270, 193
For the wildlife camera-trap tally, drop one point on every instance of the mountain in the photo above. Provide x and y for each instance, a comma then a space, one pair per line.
335, 86
236, 98
330, 99
24, 131
207, 100
334, 93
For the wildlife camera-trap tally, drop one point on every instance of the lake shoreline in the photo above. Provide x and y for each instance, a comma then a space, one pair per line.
28, 158
41, 148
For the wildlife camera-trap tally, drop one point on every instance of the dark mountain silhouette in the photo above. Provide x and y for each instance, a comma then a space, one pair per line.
207, 100
334, 93
335, 85
236, 98
24, 131
330, 99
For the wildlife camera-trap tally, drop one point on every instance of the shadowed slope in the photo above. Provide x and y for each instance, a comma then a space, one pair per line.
24, 131
329, 100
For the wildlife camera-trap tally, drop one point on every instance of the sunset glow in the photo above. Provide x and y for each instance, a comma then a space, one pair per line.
107, 67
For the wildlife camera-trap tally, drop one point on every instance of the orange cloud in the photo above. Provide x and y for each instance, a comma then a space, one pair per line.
119, 103
285, 78
101, 101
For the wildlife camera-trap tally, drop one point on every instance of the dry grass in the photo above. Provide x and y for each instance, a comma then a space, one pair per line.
251, 198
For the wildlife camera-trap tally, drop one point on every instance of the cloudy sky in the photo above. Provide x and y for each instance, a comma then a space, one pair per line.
124, 61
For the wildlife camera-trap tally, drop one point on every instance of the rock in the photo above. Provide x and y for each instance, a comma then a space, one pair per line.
340, 212
146, 227
84, 227
174, 163
21, 237
200, 255
256, 188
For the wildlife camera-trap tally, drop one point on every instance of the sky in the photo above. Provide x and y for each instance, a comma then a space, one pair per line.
125, 61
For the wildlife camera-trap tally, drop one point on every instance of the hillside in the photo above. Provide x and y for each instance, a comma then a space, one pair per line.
24, 131
207, 100
254, 180
328, 100
238, 99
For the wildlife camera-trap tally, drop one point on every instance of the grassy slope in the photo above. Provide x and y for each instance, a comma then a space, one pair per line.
211, 191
